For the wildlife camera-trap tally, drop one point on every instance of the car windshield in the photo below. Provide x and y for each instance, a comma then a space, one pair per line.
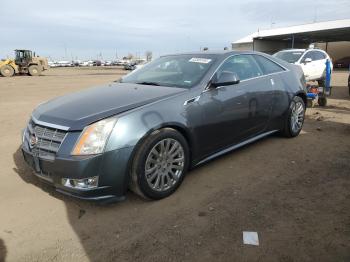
289, 56
176, 70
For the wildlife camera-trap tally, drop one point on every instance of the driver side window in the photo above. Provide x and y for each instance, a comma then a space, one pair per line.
243, 65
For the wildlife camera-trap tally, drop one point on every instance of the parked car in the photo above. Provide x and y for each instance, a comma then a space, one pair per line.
96, 63
312, 61
130, 66
147, 130
77, 63
343, 62
64, 64
52, 64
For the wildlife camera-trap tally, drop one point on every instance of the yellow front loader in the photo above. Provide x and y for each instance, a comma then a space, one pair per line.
25, 62
8, 67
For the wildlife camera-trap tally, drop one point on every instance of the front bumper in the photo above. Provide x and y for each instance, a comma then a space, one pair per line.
111, 167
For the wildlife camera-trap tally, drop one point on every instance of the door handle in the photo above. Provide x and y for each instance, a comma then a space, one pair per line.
272, 82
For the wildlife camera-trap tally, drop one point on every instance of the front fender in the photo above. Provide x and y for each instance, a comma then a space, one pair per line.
134, 125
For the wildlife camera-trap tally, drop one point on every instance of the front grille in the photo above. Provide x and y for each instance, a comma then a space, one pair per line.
48, 141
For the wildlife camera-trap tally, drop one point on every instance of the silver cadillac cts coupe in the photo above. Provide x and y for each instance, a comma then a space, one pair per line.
145, 131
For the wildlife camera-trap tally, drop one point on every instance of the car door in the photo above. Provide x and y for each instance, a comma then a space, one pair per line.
320, 64
275, 96
270, 94
309, 68
231, 114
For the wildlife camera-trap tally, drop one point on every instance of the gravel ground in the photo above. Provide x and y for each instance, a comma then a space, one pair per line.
293, 192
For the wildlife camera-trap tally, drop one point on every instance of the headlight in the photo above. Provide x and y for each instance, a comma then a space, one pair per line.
94, 137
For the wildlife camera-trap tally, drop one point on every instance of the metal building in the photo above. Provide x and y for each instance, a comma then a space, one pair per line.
332, 36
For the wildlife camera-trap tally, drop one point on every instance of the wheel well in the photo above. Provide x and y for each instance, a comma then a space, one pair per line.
179, 129
185, 134
303, 96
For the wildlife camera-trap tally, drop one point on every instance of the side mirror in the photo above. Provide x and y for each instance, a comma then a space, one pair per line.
307, 60
226, 79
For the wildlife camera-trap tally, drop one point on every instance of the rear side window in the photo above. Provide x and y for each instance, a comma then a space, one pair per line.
319, 55
268, 66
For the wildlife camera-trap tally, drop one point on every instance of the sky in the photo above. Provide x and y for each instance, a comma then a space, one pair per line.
84, 29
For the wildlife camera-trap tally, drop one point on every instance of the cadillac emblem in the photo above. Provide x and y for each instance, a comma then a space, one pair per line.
33, 140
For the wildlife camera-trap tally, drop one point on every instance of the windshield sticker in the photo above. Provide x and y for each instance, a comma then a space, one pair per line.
199, 60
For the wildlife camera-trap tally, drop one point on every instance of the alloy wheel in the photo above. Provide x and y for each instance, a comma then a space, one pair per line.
164, 164
297, 117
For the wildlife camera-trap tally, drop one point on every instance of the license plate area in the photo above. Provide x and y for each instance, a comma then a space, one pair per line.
35, 163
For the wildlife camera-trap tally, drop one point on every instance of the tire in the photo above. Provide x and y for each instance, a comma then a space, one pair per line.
34, 70
146, 185
290, 129
322, 101
7, 71
349, 83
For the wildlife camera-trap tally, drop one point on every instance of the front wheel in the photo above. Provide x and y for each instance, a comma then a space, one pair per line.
294, 118
7, 71
160, 164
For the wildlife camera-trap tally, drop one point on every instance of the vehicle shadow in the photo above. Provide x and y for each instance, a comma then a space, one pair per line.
91, 221
27, 175
3, 251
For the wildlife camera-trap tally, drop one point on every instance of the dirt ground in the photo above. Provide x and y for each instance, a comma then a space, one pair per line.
294, 192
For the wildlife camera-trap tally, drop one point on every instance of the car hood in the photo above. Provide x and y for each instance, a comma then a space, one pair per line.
82, 108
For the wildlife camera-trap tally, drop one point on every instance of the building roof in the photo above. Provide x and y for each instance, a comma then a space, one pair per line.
343, 24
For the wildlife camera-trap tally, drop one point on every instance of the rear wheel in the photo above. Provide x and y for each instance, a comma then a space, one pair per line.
295, 118
7, 71
322, 101
160, 164
34, 70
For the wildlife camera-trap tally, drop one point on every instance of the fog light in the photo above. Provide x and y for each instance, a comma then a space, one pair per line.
84, 183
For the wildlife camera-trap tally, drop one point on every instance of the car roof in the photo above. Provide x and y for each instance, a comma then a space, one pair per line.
302, 50
293, 50
219, 52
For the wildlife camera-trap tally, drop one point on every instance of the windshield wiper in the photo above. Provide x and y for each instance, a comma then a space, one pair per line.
148, 83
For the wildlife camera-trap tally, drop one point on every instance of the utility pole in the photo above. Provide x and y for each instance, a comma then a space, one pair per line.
65, 51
